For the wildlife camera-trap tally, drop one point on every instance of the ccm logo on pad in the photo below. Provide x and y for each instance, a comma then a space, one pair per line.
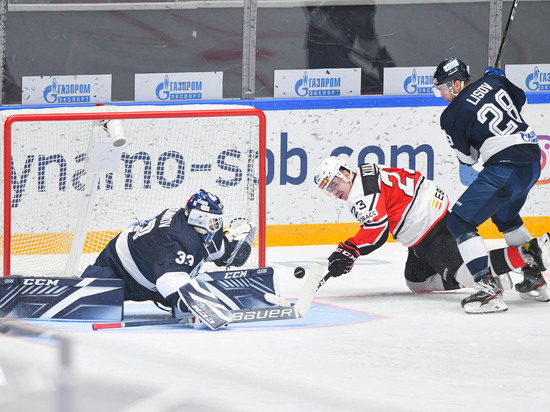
40, 282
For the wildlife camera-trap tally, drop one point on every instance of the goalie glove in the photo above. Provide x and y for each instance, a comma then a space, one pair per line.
239, 237
342, 259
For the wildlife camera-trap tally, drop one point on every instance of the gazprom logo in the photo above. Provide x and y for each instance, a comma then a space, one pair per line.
538, 81
318, 86
300, 87
162, 90
67, 93
179, 90
50, 92
415, 84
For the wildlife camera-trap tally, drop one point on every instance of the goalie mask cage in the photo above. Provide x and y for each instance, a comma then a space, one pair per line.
75, 177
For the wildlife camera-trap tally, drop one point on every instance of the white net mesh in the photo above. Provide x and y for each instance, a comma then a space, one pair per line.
66, 203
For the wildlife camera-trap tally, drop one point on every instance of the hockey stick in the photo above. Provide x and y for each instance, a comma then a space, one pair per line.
314, 280
503, 41
169, 321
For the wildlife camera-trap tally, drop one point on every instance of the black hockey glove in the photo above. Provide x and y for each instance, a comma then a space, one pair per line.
342, 259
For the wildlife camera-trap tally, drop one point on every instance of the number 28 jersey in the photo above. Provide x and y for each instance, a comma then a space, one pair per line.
484, 121
393, 200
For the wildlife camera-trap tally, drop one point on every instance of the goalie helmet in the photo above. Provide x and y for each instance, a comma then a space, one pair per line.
330, 168
204, 212
450, 69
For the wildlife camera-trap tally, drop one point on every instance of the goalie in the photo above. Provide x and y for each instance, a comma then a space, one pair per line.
159, 259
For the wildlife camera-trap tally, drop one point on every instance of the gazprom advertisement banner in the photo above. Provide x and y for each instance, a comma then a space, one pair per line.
66, 89
403, 81
317, 83
529, 77
178, 87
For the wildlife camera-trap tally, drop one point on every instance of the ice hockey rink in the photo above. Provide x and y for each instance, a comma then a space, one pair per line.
367, 344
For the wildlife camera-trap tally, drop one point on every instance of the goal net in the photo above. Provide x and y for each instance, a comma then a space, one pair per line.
73, 178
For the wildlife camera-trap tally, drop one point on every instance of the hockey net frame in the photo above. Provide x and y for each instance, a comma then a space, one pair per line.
135, 112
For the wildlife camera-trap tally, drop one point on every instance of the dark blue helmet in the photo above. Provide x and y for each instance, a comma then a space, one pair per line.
450, 69
204, 212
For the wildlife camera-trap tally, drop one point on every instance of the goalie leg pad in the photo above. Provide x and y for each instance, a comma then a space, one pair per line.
61, 298
244, 289
204, 305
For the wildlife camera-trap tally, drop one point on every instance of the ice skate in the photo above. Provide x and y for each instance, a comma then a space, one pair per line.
536, 252
486, 299
533, 287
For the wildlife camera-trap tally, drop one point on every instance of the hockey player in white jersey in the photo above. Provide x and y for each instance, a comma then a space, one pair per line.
414, 210
159, 259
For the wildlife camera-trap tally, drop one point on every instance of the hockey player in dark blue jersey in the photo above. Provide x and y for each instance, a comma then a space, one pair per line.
483, 122
159, 258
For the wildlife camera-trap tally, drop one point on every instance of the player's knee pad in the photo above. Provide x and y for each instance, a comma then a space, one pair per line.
458, 226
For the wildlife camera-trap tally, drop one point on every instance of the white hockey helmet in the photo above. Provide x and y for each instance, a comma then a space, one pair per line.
330, 168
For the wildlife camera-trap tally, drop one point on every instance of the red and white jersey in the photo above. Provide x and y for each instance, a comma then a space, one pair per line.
399, 200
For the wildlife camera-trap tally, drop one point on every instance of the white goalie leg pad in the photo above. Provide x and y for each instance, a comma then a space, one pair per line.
244, 289
204, 305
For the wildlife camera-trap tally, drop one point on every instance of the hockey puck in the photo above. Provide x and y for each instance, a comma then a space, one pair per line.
299, 272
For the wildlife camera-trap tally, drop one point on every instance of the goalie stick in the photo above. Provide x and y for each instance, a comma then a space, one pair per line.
298, 310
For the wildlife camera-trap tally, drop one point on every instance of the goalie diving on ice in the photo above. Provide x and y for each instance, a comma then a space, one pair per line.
160, 259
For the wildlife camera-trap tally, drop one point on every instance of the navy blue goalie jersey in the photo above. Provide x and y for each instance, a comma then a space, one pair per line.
484, 121
167, 243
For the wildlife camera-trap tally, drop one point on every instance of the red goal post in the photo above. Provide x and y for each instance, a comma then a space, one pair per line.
75, 177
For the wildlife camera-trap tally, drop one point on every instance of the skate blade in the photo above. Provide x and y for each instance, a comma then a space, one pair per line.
491, 307
536, 295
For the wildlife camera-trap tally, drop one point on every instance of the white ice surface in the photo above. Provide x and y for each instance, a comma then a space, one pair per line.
422, 353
